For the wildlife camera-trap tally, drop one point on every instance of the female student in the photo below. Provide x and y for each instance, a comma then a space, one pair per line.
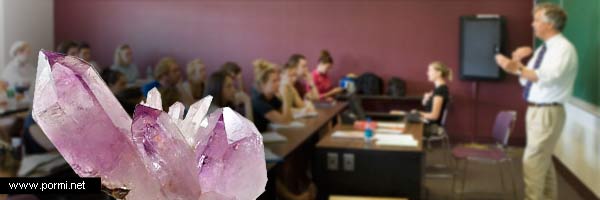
116, 81
289, 76
85, 53
221, 87
266, 106
68, 47
235, 71
19, 74
304, 84
435, 101
321, 78
123, 63
196, 76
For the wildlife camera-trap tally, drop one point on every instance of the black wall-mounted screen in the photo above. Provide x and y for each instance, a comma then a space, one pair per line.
481, 38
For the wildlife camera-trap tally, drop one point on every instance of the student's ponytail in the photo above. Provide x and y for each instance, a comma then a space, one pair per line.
325, 57
443, 69
262, 70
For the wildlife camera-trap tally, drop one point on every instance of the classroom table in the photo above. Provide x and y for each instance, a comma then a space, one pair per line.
301, 141
366, 169
298, 136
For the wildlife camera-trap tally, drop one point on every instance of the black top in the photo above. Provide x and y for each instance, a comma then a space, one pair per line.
260, 107
439, 91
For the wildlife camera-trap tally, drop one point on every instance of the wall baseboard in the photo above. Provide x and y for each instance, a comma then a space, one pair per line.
572, 180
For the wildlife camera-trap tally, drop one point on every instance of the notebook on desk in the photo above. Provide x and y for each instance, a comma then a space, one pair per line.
293, 124
273, 137
395, 140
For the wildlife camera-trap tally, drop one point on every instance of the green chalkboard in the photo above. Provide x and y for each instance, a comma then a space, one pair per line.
583, 30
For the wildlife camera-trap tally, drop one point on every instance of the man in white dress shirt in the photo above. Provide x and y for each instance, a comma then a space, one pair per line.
548, 81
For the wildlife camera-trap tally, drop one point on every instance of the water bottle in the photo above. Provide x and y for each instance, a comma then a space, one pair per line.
368, 131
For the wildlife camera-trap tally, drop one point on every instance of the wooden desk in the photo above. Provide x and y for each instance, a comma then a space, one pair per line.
352, 167
300, 141
297, 136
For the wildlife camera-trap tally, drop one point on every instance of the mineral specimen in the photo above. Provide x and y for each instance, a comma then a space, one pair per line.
157, 155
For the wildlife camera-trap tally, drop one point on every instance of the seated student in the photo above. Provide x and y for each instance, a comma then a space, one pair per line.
324, 85
289, 77
117, 83
196, 76
304, 84
220, 87
240, 96
235, 71
19, 74
167, 76
123, 63
68, 47
266, 106
129, 98
34, 139
435, 101
115, 80
85, 53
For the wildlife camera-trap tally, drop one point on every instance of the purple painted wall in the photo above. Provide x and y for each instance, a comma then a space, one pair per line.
390, 38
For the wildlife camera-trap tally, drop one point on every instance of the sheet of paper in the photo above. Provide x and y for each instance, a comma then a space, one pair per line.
388, 131
293, 124
273, 137
391, 125
348, 134
303, 114
395, 140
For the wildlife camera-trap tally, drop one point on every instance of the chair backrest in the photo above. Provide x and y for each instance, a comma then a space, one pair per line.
503, 126
445, 112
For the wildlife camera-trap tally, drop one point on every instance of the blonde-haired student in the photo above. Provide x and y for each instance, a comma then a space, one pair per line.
266, 105
123, 63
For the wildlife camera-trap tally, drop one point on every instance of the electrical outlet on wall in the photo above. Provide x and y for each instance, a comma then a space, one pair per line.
348, 162
332, 161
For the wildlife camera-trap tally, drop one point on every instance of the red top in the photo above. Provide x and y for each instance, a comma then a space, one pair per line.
322, 82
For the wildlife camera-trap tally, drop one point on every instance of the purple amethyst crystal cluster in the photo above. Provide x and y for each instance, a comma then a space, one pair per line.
157, 155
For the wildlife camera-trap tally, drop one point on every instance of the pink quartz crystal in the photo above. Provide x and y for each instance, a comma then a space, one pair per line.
157, 155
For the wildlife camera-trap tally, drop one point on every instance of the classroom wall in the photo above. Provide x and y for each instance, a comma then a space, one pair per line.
27, 20
3, 51
390, 38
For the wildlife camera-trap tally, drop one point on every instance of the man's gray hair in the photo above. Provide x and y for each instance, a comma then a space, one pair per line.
553, 14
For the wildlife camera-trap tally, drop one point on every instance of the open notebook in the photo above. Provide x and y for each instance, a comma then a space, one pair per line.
395, 140
273, 137
293, 124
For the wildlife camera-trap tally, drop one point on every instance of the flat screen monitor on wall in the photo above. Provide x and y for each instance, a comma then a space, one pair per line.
481, 38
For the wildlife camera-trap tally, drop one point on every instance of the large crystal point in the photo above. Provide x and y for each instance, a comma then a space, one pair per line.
87, 125
158, 155
164, 152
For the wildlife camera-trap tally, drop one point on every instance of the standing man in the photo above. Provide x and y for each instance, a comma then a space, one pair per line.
548, 81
